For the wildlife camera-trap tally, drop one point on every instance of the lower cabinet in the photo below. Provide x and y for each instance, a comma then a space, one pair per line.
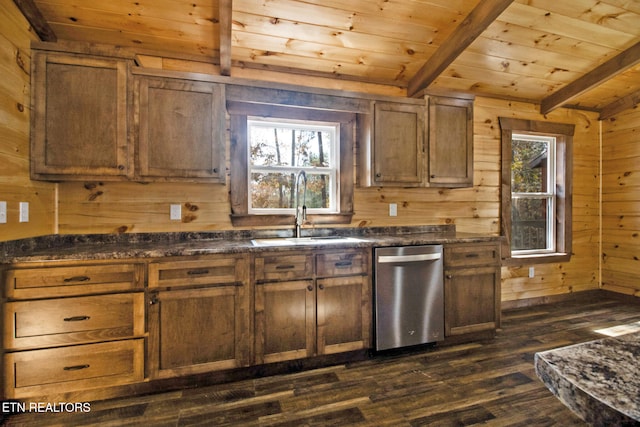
72, 328
311, 315
472, 288
198, 313
92, 330
285, 320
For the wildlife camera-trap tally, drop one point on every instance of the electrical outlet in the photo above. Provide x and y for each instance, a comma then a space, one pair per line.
532, 272
175, 213
3, 212
24, 211
393, 209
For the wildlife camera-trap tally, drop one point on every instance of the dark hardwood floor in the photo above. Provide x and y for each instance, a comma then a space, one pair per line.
489, 383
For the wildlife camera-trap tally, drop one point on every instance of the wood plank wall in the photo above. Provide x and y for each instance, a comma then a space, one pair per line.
108, 207
15, 185
129, 207
581, 273
621, 203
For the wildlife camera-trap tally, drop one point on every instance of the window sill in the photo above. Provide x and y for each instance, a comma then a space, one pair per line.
271, 220
520, 260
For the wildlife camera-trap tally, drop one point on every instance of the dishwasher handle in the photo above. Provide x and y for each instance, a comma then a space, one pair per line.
408, 258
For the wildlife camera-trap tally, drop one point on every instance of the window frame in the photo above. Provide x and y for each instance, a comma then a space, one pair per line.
239, 114
549, 196
564, 178
332, 171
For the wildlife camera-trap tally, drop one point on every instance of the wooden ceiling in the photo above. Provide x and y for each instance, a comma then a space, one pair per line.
578, 53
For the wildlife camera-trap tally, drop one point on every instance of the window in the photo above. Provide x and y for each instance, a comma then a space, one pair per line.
533, 194
279, 151
262, 170
536, 198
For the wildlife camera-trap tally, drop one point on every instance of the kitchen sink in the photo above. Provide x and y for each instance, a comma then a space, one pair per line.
293, 241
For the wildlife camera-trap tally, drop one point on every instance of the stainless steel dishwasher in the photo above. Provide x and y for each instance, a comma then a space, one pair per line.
409, 296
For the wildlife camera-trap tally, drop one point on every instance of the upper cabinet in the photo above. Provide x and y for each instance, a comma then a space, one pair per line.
95, 118
450, 142
79, 121
180, 129
395, 155
412, 145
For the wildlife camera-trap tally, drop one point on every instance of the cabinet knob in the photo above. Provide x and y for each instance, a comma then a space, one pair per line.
378, 175
153, 300
215, 170
449, 276
321, 287
121, 167
310, 288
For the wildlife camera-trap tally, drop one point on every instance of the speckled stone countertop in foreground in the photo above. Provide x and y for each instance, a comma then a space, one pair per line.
153, 245
598, 380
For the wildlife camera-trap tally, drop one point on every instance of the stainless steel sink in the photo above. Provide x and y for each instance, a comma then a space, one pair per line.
293, 241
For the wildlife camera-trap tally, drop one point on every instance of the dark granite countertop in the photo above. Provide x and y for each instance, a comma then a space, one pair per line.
154, 245
598, 380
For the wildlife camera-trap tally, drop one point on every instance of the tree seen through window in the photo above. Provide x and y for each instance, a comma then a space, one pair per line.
279, 151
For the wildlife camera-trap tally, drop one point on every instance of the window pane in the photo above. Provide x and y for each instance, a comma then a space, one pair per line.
276, 190
281, 146
529, 225
529, 167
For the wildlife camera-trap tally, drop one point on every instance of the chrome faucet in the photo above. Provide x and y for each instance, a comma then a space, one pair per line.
301, 211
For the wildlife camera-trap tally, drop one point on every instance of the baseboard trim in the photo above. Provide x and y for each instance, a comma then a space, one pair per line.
591, 295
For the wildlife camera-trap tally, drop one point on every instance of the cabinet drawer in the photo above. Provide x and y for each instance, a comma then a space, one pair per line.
465, 255
61, 321
73, 280
284, 266
342, 263
216, 270
62, 369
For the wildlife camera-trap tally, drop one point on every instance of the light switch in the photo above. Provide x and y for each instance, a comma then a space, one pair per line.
3, 212
175, 213
24, 212
393, 209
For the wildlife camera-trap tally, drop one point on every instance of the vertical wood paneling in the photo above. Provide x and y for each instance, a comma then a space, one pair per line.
581, 273
15, 185
621, 203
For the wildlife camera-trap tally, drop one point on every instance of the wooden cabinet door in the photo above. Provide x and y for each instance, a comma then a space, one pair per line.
343, 314
181, 130
471, 300
285, 321
450, 142
79, 124
198, 330
398, 144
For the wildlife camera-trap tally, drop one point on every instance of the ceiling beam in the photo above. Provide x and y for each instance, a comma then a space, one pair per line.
473, 25
593, 78
620, 105
36, 20
226, 9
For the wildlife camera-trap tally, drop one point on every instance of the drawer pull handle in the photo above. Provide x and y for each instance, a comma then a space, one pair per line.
76, 367
77, 279
76, 318
285, 267
472, 255
343, 264
197, 272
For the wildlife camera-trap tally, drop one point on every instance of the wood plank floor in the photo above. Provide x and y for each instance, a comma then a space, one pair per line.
490, 383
